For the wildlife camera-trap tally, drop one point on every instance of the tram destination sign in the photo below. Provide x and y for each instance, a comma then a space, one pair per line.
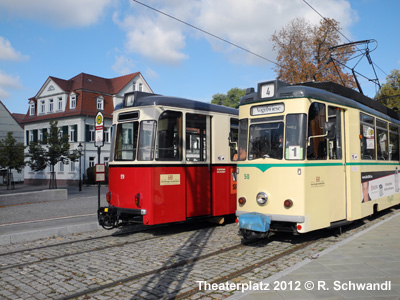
267, 109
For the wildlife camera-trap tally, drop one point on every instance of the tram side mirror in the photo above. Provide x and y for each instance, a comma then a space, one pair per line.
330, 130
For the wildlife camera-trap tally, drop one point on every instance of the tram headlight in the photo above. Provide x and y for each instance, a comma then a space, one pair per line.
242, 201
262, 198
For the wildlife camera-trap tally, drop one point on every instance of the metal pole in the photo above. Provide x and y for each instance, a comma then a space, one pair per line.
80, 171
98, 184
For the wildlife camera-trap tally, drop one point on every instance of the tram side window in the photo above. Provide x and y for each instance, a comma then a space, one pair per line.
196, 138
125, 146
146, 140
169, 136
316, 141
394, 142
233, 138
295, 138
382, 140
335, 143
243, 132
367, 136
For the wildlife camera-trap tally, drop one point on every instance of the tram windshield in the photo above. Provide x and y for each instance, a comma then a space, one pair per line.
126, 140
266, 140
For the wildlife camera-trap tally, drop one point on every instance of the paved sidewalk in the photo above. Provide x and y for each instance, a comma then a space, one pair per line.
364, 266
31, 220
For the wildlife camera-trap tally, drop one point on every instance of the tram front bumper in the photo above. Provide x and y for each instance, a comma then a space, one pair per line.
109, 217
254, 222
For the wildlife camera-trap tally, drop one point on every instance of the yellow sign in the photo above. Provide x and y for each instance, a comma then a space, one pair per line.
99, 119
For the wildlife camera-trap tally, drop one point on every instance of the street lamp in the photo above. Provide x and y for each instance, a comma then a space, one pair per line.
80, 148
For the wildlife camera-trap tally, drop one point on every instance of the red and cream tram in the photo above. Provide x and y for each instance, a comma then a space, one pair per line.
172, 159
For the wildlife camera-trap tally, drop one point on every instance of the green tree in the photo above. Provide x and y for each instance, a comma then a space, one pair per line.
53, 149
11, 157
389, 91
231, 99
303, 52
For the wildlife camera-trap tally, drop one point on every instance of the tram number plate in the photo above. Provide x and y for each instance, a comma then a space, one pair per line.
294, 152
267, 90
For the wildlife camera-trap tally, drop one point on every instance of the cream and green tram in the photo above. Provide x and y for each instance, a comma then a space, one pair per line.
313, 156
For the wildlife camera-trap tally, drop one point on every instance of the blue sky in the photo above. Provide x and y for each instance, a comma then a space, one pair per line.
109, 38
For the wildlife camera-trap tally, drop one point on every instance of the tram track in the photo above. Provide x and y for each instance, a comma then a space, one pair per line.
313, 239
185, 262
97, 248
137, 277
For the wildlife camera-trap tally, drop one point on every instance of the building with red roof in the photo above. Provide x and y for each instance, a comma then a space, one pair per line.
74, 103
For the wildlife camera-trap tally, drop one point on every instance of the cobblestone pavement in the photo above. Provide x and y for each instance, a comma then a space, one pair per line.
163, 263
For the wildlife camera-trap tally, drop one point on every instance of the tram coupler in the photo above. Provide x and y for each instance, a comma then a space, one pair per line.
108, 217
254, 222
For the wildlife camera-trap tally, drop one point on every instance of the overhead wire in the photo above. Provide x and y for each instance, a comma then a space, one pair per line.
207, 32
238, 46
342, 34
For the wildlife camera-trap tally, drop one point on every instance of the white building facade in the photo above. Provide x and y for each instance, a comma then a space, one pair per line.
74, 103
7, 124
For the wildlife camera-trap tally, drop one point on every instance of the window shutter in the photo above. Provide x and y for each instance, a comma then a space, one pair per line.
65, 130
87, 133
27, 137
76, 133
45, 135
35, 135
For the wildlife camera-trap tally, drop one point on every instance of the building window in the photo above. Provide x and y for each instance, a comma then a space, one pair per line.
106, 159
72, 134
91, 161
72, 166
140, 87
32, 109
60, 104
51, 105
72, 101
100, 103
42, 107
61, 167
134, 86
106, 135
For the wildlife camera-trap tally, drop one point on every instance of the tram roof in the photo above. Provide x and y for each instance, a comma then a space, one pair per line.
328, 91
145, 99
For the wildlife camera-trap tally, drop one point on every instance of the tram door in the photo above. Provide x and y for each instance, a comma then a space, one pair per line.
337, 173
198, 169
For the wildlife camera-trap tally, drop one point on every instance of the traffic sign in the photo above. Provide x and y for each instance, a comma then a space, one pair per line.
99, 130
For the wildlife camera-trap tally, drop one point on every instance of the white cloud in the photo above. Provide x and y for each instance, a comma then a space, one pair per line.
153, 38
123, 65
151, 74
249, 24
7, 52
65, 13
8, 82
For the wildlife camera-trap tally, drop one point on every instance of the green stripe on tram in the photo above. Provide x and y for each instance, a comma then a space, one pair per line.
265, 167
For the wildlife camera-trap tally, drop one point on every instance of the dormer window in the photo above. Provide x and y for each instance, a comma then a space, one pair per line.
72, 101
51, 105
100, 103
32, 109
42, 107
60, 103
